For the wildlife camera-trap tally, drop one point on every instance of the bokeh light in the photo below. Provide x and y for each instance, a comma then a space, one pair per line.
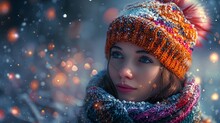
97, 105
207, 120
17, 76
11, 76
214, 57
12, 35
94, 72
15, 111
42, 54
215, 96
51, 46
4, 7
2, 114
110, 15
29, 53
51, 55
198, 80
34, 85
55, 114
42, 112
51, 13
57, 46
63, 64
59, 79
87, 66
76, 80
74, 68
68, 65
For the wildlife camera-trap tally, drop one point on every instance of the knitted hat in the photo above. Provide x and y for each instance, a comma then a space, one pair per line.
161, 29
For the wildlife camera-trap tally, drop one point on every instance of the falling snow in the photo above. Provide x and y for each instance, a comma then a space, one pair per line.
50, 50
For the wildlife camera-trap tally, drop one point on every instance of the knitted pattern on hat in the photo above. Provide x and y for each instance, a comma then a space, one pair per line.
102, 107
159, 28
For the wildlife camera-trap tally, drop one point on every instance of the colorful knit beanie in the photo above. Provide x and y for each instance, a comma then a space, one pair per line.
161, 28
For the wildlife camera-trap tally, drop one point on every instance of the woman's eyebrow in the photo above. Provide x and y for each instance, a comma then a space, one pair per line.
116, 47
142, 51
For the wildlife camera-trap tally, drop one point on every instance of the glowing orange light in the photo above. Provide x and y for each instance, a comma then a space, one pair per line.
97, 105
4, 7
87, 66
213, 57
2, 114
76, 80
51, 14
59, 79
51, 46
12, 35
206, 120
215, 96
74, 68
110, 15
15, 111
69, 64
29, 53
34, 85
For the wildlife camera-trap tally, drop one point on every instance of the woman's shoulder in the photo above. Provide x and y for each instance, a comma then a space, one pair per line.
97, 79
80, 115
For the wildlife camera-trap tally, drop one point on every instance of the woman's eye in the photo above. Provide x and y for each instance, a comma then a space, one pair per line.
116, 54
145, 59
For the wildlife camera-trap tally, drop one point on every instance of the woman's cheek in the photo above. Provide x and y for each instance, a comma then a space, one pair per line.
151, 74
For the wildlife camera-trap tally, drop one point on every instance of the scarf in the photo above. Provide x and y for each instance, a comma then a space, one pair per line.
102, 107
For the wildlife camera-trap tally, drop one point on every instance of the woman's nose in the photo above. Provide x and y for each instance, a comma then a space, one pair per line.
126, 73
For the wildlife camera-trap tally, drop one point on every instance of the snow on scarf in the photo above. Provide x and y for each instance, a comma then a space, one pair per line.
102, 107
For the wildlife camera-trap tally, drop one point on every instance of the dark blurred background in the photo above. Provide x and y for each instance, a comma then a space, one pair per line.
50, 49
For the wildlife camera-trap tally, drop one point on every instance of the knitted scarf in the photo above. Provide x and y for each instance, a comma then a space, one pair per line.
102, 107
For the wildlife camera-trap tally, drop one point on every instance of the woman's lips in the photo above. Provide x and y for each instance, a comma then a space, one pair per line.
125, 88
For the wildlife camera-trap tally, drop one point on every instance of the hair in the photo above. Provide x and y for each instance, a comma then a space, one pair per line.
169, 84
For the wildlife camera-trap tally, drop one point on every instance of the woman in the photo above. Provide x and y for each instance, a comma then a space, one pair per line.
148, 48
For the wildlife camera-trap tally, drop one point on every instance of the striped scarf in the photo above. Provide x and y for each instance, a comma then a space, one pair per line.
102, 107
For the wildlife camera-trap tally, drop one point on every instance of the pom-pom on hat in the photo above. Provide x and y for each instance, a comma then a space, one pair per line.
161, 28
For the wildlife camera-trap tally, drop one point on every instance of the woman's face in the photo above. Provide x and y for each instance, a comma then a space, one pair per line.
134, 72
